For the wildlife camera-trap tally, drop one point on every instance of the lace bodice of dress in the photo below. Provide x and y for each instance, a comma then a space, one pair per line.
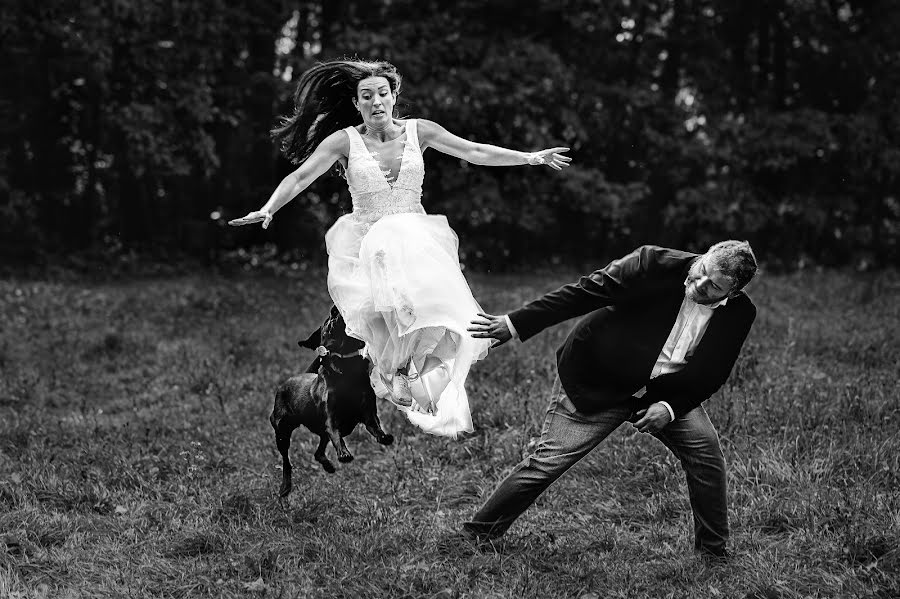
373, 196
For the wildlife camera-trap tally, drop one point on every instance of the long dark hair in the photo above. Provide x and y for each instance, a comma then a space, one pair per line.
323, 104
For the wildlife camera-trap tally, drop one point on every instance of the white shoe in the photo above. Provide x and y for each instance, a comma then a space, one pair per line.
400, 393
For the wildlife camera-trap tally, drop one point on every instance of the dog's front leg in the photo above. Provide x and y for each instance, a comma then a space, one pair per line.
371, 421
343, 453
333, 430
321, 457
374, 428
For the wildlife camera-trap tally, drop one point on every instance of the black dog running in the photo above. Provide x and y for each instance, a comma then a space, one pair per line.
330, 399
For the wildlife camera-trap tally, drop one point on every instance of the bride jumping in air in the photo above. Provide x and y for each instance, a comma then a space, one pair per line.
393, 269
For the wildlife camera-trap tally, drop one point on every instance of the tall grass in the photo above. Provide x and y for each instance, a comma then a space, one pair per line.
136, 458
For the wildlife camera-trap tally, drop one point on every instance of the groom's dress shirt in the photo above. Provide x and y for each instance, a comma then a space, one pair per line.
638, 333
693, 318
691, 323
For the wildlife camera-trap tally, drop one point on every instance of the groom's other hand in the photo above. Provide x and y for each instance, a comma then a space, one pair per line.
488, 326
653, 419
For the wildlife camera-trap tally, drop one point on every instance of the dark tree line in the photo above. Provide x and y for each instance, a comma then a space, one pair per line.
144, 125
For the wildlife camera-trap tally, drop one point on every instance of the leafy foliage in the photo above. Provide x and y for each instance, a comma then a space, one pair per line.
144, 125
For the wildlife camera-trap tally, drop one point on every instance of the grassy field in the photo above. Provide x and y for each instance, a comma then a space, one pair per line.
136, 458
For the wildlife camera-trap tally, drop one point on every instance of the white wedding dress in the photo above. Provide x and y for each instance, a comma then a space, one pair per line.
394, 274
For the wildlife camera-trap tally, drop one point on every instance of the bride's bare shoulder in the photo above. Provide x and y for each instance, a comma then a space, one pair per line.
338, 142
427, 131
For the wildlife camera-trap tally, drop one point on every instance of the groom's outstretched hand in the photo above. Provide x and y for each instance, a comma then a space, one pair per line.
653, 419
488, 326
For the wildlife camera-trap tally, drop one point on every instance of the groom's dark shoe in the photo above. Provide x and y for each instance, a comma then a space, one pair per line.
457, 541
715, 557
479, 534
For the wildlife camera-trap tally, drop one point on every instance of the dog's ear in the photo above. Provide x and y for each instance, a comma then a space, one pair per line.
313, 341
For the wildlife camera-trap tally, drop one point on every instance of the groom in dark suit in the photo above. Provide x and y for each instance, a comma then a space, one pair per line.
663, 331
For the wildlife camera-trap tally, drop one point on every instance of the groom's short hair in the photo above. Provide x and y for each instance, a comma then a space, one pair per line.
736, 260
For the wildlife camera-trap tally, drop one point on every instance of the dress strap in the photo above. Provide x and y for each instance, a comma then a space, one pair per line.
356, 140
412, 133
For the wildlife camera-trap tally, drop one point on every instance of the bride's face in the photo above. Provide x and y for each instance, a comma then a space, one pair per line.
375, 101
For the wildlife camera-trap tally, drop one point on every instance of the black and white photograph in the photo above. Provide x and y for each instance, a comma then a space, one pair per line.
435, 299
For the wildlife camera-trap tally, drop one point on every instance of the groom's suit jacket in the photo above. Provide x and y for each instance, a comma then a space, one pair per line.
632, 305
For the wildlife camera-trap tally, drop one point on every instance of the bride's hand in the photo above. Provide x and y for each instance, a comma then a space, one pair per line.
552, 158
253, 217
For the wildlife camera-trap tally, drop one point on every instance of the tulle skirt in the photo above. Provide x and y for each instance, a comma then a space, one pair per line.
398, 284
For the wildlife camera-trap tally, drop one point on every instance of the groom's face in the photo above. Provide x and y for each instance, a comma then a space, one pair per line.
706, 284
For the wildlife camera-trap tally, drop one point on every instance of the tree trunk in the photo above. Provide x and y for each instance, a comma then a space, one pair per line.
336, 15
640, 27
737, 32
780, 56
670, 78
763, 47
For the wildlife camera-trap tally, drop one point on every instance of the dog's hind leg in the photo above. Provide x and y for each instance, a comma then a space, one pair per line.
283, 441
321, 457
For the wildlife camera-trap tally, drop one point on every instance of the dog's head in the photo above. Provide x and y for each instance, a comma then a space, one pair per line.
331, 340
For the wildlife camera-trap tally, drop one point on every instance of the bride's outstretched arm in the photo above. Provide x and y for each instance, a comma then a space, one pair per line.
323, 157
432, 135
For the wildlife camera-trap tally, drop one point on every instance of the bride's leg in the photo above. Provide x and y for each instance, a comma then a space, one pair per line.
428, 363
424, 365
405, 368
385, 367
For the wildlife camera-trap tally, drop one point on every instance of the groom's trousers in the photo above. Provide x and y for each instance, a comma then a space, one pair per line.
568, 435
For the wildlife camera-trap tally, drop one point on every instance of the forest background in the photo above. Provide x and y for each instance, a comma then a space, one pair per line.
139, 128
